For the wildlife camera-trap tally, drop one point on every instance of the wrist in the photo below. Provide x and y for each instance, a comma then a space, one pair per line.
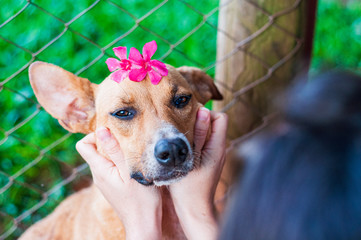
201, 226
146, 225
195, 208
146, 232
200, 223
143, 229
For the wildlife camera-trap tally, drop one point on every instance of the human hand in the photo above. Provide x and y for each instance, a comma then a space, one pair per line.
139, 207
193, 196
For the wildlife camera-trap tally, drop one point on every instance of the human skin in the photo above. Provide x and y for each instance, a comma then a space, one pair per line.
112, 178
194, 206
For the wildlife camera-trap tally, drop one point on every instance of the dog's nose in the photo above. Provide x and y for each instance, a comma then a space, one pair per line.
171, 152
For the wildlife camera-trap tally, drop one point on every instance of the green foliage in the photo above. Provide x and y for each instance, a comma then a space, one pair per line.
337, 42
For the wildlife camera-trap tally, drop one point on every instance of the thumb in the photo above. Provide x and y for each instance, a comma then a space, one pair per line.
110, 146
201, 128
217, 139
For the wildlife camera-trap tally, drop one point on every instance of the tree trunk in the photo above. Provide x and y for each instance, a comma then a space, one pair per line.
261, 46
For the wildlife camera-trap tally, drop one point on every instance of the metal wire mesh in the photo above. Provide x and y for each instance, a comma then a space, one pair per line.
28, 190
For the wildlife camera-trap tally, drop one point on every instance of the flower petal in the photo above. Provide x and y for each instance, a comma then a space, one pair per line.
137, 75
159, 67
154, 77
120, 52
149, 50
135, 56
119, 75
113, 64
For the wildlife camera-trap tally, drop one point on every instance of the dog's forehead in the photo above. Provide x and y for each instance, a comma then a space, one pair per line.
111, 92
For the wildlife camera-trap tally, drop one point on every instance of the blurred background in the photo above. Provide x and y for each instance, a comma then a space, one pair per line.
39, 166
337, 38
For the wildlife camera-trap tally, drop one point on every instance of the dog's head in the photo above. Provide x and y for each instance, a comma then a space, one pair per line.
153, 123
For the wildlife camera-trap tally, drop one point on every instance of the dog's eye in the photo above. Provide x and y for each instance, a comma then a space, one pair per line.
124, 114
181, 101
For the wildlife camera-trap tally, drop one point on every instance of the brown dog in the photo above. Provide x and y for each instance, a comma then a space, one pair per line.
153, 125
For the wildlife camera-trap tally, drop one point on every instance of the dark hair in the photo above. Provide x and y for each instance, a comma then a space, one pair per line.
305, 183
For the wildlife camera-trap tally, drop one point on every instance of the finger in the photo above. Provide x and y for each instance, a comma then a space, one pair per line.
219, 122
201, 128
87, 149
110, 147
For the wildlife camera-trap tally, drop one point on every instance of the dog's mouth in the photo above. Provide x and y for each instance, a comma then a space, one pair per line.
169, 178
139, 177
163, 179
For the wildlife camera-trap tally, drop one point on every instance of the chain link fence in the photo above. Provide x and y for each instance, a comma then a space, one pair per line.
39, 165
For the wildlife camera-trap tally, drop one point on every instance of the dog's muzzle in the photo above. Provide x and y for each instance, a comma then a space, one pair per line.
171, 154
167, 158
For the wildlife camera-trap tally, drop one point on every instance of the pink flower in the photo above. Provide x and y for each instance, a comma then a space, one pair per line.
143, 65
123, 66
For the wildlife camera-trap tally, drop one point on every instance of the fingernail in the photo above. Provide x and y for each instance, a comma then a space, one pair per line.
103, 133
203, 114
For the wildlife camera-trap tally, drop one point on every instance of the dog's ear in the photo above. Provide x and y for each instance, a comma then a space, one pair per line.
202, 84
67, 97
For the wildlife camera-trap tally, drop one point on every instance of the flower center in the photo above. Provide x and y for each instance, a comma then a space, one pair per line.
147, 66
125, 64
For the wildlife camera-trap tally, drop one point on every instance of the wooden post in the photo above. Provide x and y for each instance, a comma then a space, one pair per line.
261, 46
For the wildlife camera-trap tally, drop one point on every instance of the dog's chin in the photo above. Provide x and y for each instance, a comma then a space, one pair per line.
164, 180
167, 181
